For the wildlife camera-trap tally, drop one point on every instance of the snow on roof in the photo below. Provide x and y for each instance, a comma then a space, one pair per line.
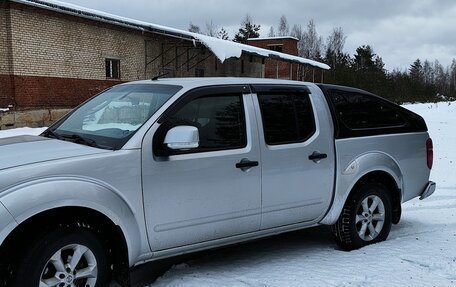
222, 49
273, 38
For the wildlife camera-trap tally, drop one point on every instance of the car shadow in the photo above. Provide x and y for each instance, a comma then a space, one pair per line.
260, 250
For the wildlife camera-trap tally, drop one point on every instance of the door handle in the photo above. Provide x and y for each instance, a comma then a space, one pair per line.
317, 156
246, 164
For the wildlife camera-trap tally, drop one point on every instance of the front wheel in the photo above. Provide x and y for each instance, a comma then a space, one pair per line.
64, 258
365, 218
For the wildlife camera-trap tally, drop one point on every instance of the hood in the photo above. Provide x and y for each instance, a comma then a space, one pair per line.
23, 150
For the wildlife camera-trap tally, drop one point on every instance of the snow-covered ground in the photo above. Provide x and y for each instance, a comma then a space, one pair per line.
420, 251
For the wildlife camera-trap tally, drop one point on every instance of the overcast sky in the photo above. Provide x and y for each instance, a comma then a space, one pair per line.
400, 31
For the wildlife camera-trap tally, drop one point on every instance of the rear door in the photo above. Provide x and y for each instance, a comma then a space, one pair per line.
210, 192
297, 154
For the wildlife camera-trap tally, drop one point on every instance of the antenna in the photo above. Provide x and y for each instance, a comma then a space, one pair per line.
160, 76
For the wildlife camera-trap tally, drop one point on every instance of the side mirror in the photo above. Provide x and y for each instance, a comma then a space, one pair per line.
182, 138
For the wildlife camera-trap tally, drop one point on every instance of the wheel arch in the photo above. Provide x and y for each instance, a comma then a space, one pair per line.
370, 167
111, 235
34, 197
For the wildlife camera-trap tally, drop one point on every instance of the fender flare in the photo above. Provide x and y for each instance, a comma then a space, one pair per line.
349, 175
36, 196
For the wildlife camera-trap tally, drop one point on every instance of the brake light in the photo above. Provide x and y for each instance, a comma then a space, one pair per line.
429, 152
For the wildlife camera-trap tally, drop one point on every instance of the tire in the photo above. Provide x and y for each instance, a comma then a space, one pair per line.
48, 261
365, 219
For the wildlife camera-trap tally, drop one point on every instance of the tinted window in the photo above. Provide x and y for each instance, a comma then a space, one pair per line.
220, 121
358, 111
287, 117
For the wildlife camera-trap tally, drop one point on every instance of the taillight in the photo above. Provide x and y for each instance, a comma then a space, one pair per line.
430, 153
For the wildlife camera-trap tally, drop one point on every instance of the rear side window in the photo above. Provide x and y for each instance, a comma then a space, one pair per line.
287, 117
357, 114
359, 111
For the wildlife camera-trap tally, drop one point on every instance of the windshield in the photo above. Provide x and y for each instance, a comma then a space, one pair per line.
112, 117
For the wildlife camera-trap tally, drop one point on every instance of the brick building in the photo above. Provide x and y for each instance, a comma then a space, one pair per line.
275, 67
58, 55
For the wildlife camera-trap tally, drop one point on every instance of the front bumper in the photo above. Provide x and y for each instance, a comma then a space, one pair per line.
7, 223
428, 190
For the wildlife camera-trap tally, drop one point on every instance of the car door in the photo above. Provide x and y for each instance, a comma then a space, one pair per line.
297, 155
209, 192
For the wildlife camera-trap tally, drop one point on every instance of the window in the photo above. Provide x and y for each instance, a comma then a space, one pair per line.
360, 111
277, 48
287, 117
112, 117
220, 121
112, 68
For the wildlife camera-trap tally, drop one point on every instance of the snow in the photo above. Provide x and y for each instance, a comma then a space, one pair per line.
420, 251
222, 49
21, 131
273, 38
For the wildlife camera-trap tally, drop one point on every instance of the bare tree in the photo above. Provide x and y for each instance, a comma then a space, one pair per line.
298, 33
271, 32
336, 41
211, 29
284, 28
428, 71
312, 42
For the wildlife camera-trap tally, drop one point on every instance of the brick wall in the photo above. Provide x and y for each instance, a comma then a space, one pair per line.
59, 92
6, 84
4, 51
278, 68
6, 91
46, 43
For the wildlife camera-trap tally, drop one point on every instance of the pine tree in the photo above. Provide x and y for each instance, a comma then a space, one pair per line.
416, 71
222, 34
247, 30
364, 58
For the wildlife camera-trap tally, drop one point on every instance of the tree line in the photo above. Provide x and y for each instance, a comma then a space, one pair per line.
424, 81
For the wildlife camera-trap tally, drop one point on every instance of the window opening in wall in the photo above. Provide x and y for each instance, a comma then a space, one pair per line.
112, 68
277, 48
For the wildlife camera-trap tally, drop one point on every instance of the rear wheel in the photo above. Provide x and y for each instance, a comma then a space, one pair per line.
365, 218
64, 258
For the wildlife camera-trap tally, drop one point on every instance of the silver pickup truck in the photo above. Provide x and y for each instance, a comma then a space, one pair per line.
158, 168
